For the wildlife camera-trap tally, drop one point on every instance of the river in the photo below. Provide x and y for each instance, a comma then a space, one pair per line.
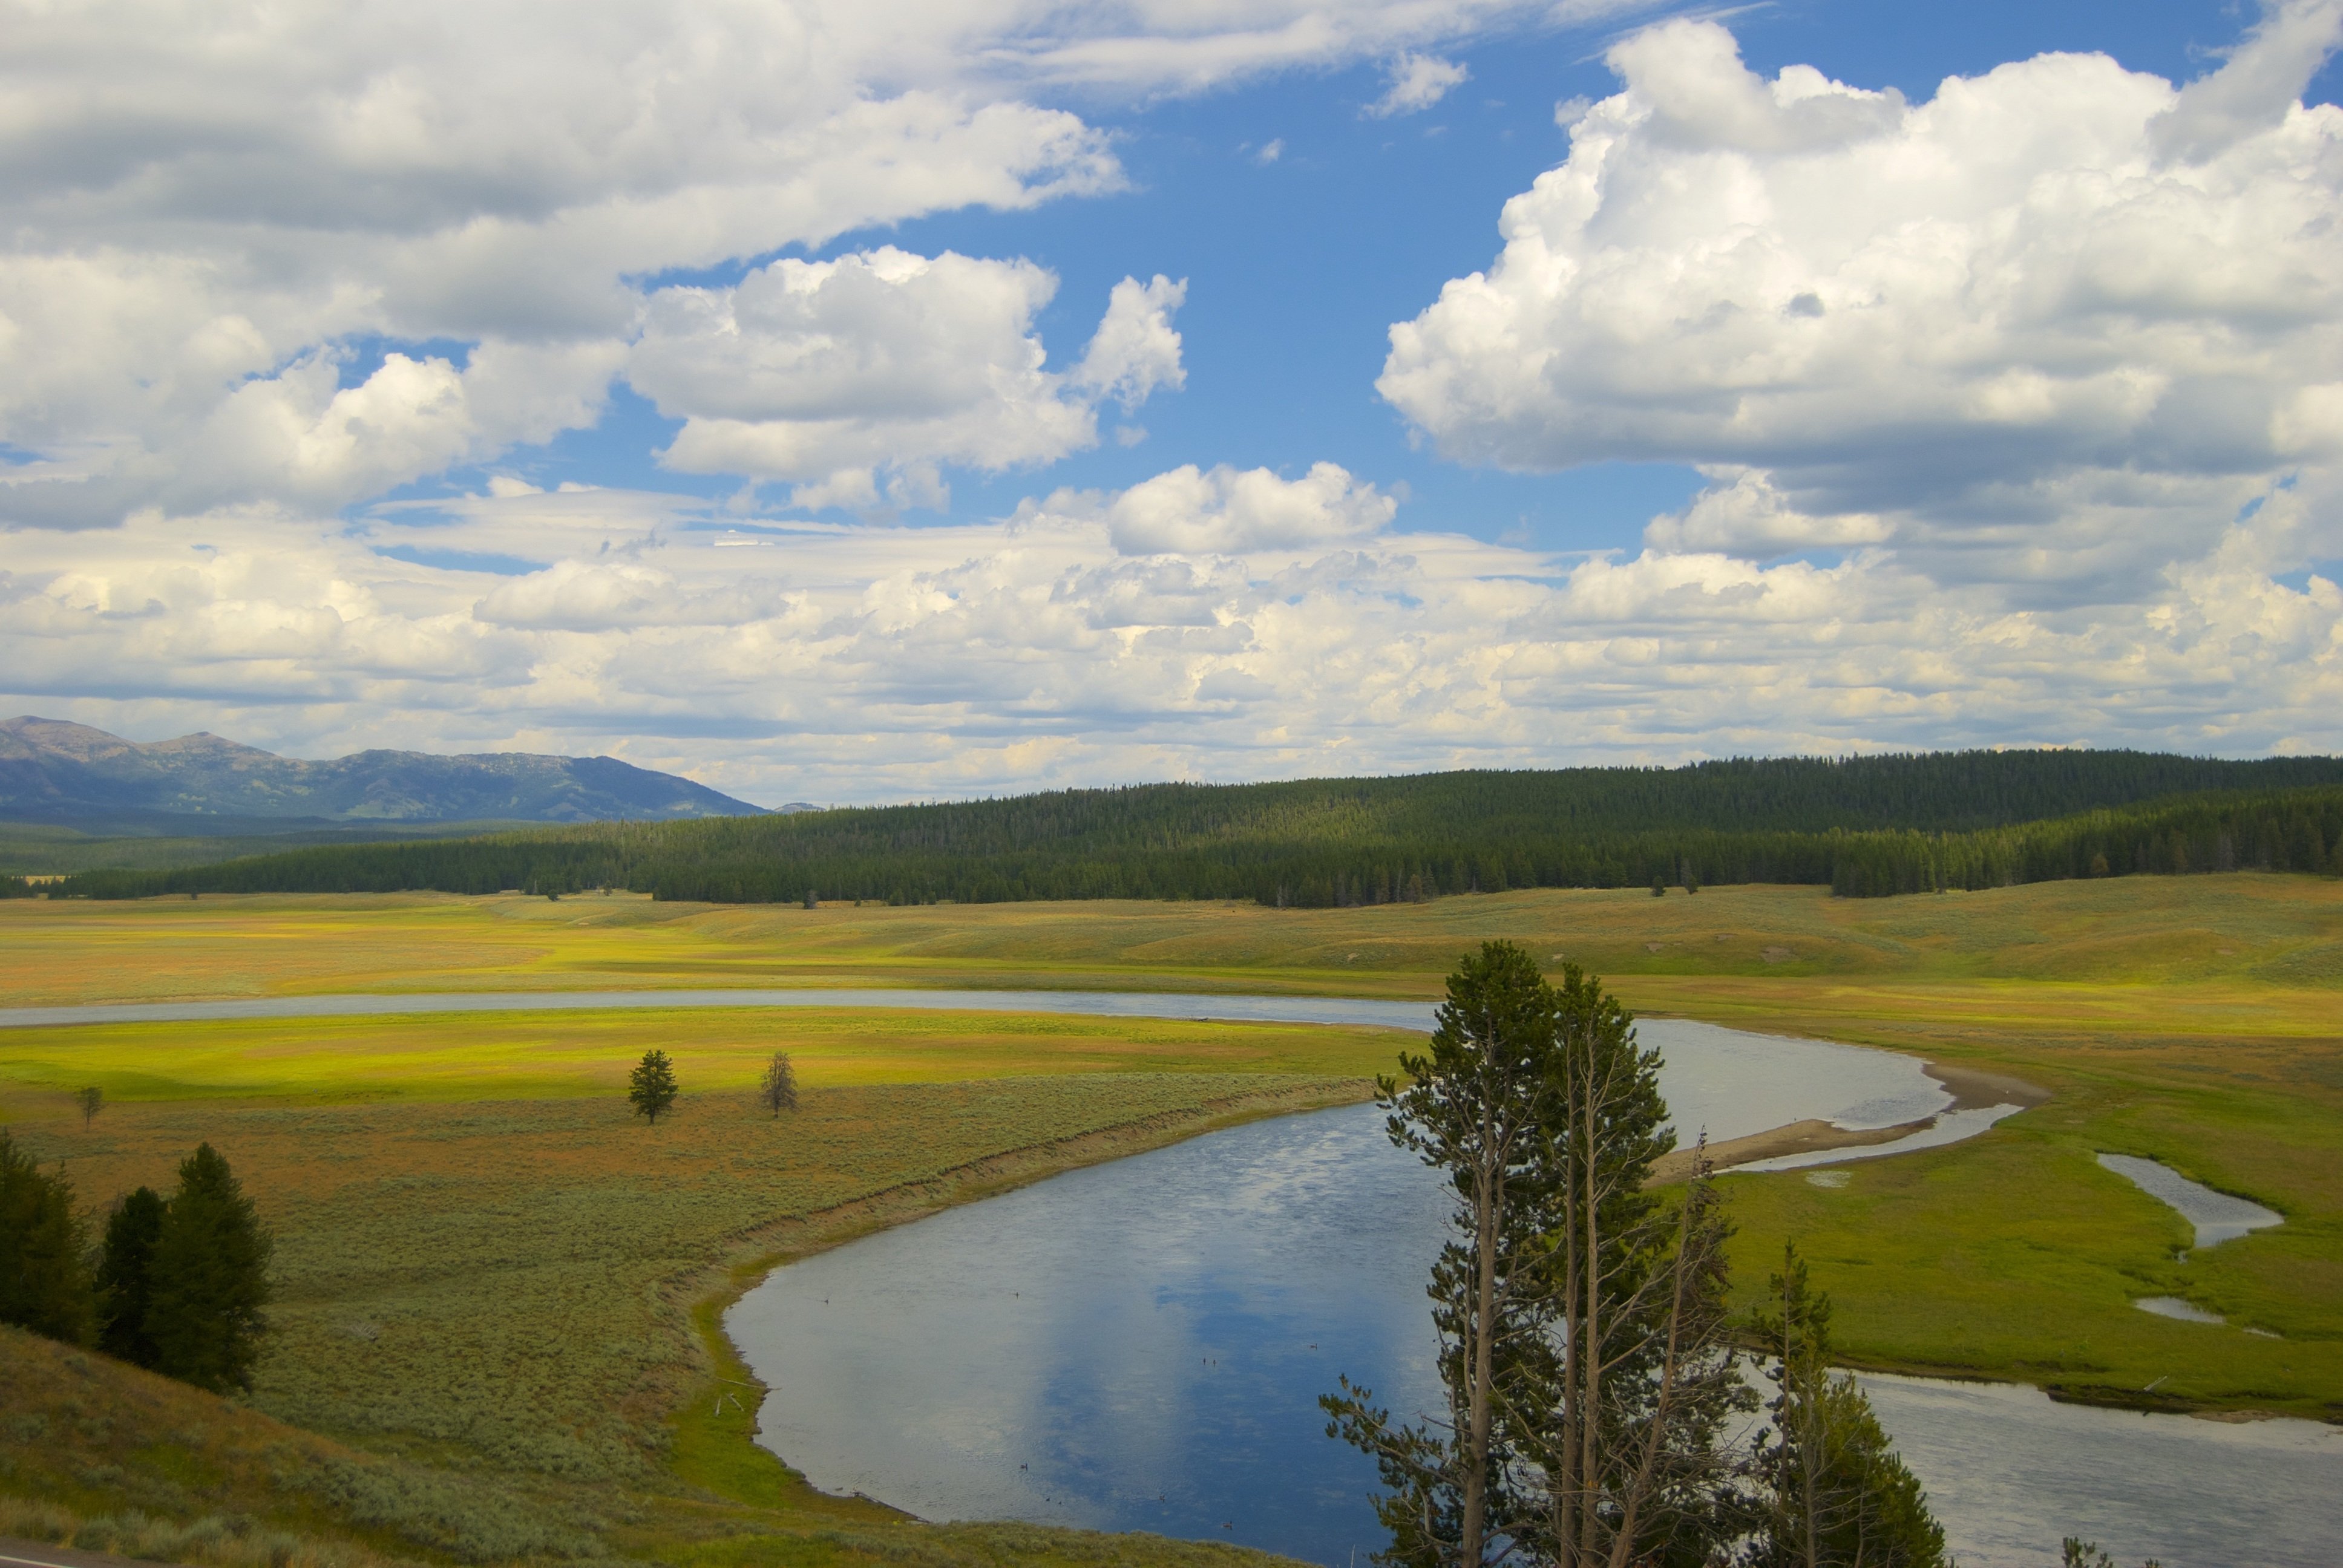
1140, 1345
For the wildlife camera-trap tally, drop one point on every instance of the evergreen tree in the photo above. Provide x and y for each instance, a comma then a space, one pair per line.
125, 1278
1623, 1421
651, 1088
207, 1279
1584, 1332
778, 1090
90, 1100
44, 1279
1834, 1493
1473, 1107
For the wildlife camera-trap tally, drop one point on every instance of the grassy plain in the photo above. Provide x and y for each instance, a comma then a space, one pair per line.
487, 1265
2263, 947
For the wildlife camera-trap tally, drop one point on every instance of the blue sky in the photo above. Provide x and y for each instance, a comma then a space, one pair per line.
1298, 266
292, 492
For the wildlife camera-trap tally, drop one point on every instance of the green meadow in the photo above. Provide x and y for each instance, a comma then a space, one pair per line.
2264, 947
494, 1280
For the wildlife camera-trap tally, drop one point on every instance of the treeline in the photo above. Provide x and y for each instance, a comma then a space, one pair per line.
1863, 827
2291, 830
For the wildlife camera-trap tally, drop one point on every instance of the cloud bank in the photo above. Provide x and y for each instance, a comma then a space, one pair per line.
886, 365
1218, 624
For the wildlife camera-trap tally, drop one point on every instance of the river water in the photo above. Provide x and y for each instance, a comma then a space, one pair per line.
1141, 1346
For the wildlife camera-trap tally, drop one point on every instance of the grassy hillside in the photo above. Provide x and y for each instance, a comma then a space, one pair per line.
1863, 825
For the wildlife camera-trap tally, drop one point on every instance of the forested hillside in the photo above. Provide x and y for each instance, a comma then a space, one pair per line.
1864, 826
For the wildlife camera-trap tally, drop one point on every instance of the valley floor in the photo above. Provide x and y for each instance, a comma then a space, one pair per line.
492, 1279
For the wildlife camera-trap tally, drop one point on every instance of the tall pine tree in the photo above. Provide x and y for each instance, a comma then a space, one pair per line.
125, 1278
208, 1279
1474, 1109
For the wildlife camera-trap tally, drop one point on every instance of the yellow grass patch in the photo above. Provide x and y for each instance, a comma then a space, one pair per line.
459, 1056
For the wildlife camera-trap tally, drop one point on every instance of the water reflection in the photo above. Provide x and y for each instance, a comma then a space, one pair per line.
1136, 1346
2178, 1309
1141, 1346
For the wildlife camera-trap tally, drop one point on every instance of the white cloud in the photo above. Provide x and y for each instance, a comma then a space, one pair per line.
1416, 82
1271, 151
1268, 627
1136, 350
1225, 512
201, 202
2055, 327
831, 374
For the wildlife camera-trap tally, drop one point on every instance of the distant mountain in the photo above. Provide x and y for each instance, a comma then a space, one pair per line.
54, 771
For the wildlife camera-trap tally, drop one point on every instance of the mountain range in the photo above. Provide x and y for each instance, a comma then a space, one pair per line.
51, 770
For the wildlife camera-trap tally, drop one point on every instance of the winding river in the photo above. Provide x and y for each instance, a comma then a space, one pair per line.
1140, 1345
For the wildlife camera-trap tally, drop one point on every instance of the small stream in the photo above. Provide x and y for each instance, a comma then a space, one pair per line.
2216, 1216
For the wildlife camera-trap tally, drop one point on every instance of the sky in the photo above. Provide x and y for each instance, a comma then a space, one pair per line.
868, 400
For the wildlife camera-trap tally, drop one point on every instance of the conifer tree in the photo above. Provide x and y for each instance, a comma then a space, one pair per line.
778, 1090
1474, 1109
1582, 1318
125, 1278
207, 1279
43, 1279
1623, 1421
652, 1087
1835, 1495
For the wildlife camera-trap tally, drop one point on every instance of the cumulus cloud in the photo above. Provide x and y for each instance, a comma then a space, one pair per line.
2058, 324
201, 202
1134, 350
1226, 512
1416, 82
1207, 624
831, 374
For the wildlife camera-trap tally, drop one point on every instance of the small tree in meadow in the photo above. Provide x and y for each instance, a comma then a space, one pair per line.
90, 1100
651, 1088
778, 1090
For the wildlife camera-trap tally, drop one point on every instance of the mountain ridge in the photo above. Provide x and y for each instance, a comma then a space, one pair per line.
54, 770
